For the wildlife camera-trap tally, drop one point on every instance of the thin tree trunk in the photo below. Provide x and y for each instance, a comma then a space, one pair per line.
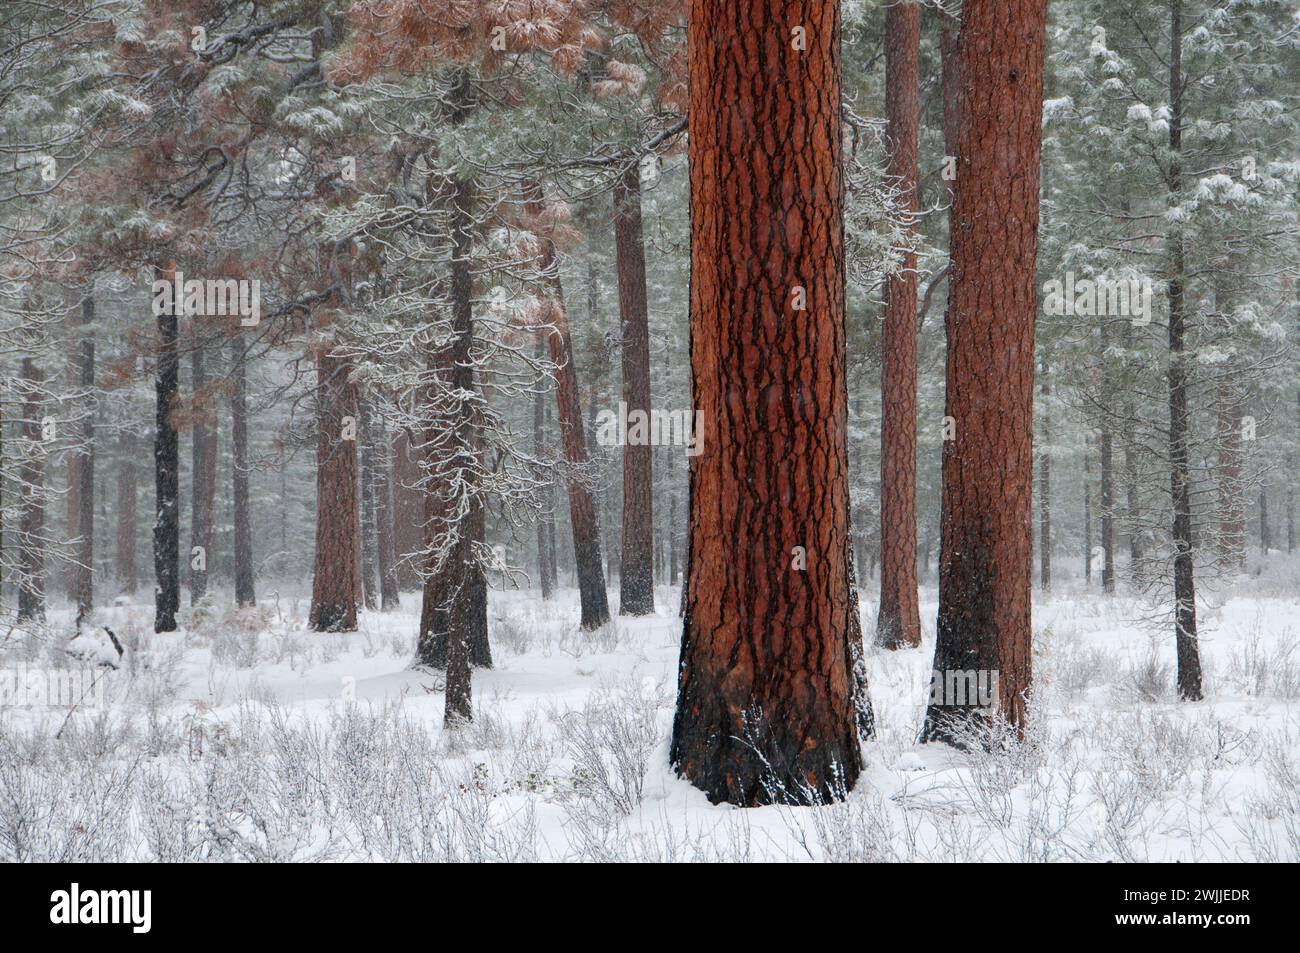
31, 481
1265, 531
766, 702
636, 565
899, 622
1188, 651
986, 550
244, 592
1087, 510
83, 570
166, 454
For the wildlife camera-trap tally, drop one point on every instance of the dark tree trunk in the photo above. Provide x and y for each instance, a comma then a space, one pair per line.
244, 594
899, 622
83, 568
166, 456
766, 700
582, 503
1188, 652
986, 550
636, 565
31, 477
336, 582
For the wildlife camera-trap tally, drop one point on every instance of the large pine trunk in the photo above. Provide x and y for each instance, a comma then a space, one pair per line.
899, 622
31, 479
1187, 649
244, 594
636, 564
986, 550
166, 457
765, 705
336, 581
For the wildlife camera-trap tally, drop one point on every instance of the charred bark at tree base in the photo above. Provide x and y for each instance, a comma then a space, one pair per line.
766, 698
166, 530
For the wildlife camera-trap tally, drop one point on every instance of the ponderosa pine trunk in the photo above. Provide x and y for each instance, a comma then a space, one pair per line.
1185, 637
636, 565
31, 480
766, 695
1087, 511
986, 550
592, 597
244, 591
166, 456
336, 580
899, 621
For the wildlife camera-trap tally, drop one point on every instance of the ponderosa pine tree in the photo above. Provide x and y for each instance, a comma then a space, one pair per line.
766, 697
985, 563
899, 622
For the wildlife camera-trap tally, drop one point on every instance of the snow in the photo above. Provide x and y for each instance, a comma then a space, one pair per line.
245, 736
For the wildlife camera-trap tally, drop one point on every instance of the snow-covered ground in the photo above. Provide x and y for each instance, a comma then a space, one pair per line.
247, 737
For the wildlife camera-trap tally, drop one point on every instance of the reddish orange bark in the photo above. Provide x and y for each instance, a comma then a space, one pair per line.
986, 556
899, 622
765, 707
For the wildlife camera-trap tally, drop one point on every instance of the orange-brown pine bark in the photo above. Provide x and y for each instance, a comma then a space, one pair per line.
986, 555
899, 622
765, 708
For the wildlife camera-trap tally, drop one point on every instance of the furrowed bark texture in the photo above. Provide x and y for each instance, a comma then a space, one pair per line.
986, 554
765, 706
899, 621
336, 581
